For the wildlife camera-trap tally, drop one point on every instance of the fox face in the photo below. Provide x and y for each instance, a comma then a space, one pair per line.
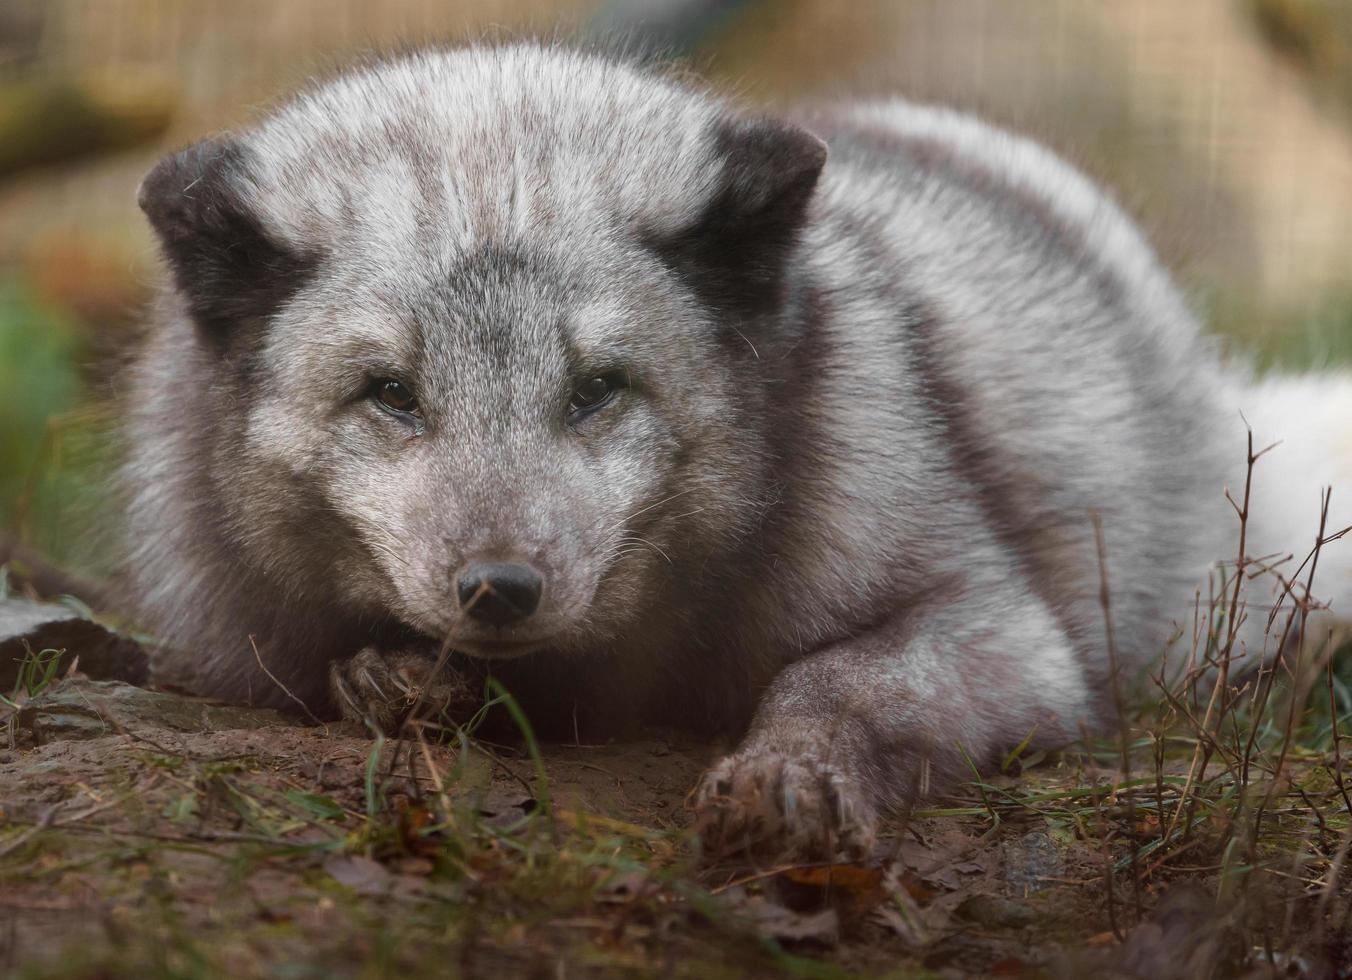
487, 364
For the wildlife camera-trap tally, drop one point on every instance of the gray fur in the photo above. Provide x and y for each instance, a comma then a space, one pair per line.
872, 412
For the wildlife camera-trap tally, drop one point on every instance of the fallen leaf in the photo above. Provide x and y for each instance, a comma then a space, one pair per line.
419, 866
367, 877
944, 860
862, 886
998, 912
361, 874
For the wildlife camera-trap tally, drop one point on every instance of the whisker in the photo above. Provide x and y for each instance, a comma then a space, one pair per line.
628, 542
645, 510
689, 513
654, 547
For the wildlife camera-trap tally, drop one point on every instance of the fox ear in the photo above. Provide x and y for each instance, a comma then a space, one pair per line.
735, 253
770, 171
224, 262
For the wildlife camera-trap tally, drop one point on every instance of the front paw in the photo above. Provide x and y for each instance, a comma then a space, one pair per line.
383, 690
783, 806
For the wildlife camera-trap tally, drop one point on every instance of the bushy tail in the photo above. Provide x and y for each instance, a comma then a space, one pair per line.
1309, 418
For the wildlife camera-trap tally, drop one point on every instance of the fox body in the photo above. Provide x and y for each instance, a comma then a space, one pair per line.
657, 406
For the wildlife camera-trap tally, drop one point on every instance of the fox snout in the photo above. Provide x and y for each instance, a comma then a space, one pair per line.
498, 593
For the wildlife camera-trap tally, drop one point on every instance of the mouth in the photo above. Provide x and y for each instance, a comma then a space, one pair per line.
498, 649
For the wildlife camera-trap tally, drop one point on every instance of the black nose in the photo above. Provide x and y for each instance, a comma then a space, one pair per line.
498, 593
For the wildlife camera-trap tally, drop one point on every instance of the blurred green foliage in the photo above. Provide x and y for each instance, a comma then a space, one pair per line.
1315, 337
39, 347
54, 441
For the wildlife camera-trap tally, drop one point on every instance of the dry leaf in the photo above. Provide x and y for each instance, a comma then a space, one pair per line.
861, 885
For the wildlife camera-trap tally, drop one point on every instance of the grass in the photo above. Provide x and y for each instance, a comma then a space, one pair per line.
399, 881
37, 672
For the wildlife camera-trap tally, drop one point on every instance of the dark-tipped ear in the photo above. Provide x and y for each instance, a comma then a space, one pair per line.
735, 254
224, 262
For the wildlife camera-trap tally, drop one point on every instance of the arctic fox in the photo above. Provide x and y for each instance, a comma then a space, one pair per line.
669, 410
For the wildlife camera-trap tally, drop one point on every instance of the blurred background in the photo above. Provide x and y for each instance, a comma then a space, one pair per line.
1225, 126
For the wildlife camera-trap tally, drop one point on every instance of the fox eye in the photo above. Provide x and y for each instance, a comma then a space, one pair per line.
396, 396
591, 394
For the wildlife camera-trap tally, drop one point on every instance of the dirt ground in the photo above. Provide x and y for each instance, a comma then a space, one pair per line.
133, 838
147, 834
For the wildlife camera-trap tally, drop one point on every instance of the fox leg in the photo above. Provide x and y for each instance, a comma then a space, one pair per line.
874, 722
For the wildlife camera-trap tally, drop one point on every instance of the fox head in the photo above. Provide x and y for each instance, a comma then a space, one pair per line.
487, 336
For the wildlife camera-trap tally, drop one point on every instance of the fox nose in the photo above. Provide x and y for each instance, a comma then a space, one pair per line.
498, 593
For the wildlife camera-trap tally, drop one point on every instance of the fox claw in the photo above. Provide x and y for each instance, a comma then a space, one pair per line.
381, 691
783, 806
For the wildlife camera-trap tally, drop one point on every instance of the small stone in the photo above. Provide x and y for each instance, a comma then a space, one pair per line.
80, 708
1031, 862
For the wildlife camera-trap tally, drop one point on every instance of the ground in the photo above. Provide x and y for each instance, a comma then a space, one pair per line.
147, 833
